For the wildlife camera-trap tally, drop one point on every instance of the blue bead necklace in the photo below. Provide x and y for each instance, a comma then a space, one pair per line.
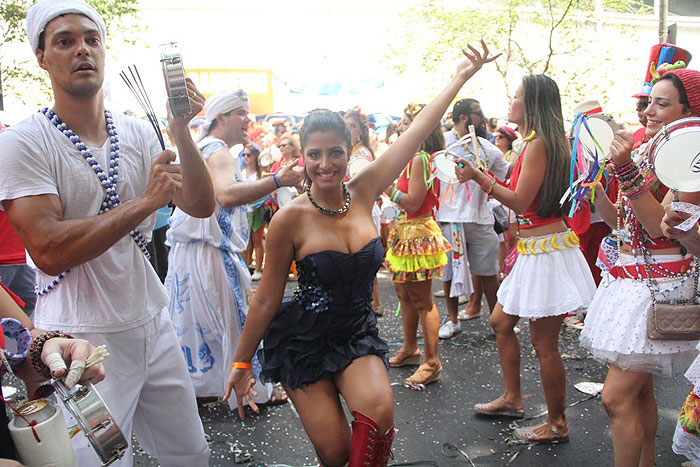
108, 182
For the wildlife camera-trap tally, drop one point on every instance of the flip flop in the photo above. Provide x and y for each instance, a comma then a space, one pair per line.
527, 433
487, 409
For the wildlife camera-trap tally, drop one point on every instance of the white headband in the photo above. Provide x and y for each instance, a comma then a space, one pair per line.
42, 12
224, 101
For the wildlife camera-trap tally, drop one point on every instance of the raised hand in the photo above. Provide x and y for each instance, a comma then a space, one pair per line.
475, 60
241, 382
621, 147
290, 174
196, 103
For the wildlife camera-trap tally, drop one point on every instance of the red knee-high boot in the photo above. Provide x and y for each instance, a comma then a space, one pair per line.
369, 449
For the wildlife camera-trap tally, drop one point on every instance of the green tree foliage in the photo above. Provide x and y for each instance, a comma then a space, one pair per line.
17, 73
555, 37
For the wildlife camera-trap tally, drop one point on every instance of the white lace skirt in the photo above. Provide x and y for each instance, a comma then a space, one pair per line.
547, 284
686, 444
615, 330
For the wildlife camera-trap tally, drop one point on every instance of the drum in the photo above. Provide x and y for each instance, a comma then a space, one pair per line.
175, 84
95, 420
356, 164
285, 194
265, 159
602, 128
674, 154
444, 164
53, 448
389, 211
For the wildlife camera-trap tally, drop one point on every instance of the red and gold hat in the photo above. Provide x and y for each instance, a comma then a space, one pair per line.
663, 57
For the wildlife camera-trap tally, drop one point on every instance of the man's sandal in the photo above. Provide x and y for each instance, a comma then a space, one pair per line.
427, 374
527, 433
404, 359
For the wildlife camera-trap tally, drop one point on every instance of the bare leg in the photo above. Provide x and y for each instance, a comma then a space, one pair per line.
544, 333
409, 318
451, 302
623, 396
258, 247
489, 284
650, 416
323, 418
474, 305
509, 354
366, 388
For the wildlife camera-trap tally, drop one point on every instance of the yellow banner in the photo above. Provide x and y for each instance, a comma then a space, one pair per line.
257, 83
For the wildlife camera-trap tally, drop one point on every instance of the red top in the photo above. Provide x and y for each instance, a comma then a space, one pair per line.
278, 165
651, 243
529, 219
11, 248
431, 197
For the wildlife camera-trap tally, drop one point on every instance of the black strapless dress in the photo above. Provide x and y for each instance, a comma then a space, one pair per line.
328, 322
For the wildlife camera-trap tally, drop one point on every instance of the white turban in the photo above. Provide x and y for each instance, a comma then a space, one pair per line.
224, 101
42, 12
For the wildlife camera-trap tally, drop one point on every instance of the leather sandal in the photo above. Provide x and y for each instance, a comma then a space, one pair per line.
430, 375
527, 433
404, 359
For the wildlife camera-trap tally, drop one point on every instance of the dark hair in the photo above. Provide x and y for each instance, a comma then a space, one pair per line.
435, 141
255, 152
324, 120
678, 84
362, 122
543, 114
214, 122
462, 107
507, 136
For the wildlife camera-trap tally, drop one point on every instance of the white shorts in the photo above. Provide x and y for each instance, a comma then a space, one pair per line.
482, 249
148, 390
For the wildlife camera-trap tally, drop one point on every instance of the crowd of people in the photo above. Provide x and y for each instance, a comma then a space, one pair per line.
315, 203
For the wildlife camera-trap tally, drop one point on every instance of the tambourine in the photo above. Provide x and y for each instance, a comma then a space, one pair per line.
94, 419
265, 159
390, 212
444, 163
602, 128
174, 74
356, 164
285, 194
674, 154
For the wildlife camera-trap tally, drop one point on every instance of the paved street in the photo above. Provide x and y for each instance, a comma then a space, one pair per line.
431, 421
427, 421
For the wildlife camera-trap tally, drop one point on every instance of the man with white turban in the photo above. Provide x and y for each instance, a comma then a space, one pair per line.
80, 185
208, 280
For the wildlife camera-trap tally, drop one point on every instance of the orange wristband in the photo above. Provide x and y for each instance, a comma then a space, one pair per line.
241, 366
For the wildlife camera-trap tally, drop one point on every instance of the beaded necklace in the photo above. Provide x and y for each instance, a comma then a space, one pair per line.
651, 265
330, 212
108, 182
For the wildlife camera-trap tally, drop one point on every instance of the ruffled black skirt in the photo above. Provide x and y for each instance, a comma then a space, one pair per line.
302, 345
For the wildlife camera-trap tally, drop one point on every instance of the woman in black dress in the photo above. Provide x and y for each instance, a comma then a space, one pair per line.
324, 342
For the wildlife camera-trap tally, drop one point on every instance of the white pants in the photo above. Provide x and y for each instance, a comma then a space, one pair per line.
148, 390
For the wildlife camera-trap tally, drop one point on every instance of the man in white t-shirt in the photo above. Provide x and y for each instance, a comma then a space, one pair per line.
80, 185
466, 220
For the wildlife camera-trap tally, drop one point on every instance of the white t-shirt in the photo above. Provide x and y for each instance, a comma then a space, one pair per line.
454, 206
119, 289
